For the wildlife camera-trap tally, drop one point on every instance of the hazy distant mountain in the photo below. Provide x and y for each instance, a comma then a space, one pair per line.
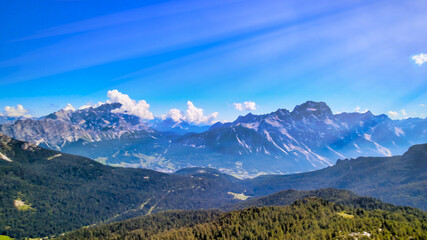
310, 137
307, 138
93, 124
6, 119
62, 127
179, 127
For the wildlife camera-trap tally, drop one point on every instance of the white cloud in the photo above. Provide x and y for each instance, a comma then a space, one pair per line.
195, 115
192, 115
175, 114
247, 105
357, 109
69, 107
89, 105
130, 106
422, 105
18, 111
420, 59
403, 111
393, 114
86, 106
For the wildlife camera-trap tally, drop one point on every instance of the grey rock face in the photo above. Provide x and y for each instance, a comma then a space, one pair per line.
308, 137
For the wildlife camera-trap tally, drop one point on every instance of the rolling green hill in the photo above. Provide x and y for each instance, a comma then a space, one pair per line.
307, 218
43, 192
337, 196
400, 179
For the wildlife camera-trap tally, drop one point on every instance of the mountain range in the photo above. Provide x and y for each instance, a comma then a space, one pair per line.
45, 192
307, 138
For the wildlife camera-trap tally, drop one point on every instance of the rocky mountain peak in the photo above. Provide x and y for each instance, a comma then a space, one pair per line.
318, 109
247, 118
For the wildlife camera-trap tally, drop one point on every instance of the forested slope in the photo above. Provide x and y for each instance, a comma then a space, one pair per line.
308, 218
43, 192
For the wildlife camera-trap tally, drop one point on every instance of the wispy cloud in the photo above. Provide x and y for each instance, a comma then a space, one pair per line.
420, 59
357, 109
145, 13
100, 40
393, 113
247, 105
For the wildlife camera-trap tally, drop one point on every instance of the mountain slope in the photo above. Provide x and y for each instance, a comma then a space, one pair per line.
179, 127
310, 218
44, 192
310, 137
307, 138
66, 126
399, 179
92, 124
306, 218
337, 196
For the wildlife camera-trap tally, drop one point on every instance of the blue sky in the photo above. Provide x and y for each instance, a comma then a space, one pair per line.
350, 54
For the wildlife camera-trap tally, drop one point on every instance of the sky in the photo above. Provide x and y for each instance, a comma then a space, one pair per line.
217, 59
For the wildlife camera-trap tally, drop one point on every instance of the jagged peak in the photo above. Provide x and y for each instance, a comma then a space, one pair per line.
247, 118
216, 126
312, 108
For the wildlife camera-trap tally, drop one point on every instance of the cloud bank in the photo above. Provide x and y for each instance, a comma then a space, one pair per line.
420, 59
89, 105
192, 115
358, 109
175, 114
18, 111
396, 113
393, 113
130, 106
247, 105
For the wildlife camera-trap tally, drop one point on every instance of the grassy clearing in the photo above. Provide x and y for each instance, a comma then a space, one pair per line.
21, 205
54, 156
4, 237
239, 196
345, 215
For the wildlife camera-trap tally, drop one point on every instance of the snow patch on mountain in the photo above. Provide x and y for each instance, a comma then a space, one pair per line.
383, 150
273, 122
337, 153
267, 135
399, 132
367, 136
243, 144
331, 123
4, 157
253, 126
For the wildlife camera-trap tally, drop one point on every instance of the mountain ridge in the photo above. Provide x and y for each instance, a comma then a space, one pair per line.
47, 192
307, 138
